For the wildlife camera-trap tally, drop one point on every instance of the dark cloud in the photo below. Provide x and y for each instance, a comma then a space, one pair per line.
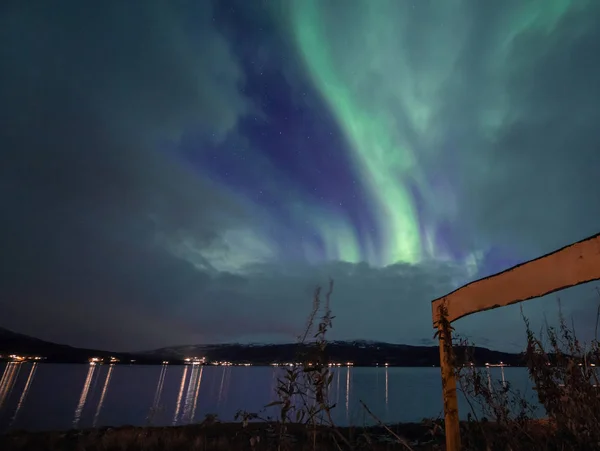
272, 302
91, 99
391, 303
532, 184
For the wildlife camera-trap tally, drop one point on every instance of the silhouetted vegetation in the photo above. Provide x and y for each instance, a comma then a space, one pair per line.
564, 375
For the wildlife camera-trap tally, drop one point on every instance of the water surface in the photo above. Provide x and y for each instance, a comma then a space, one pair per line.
45, 396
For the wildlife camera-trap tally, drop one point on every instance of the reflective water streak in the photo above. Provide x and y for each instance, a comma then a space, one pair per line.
386, 388
224, 386
191, 397
84, 394
25, 391
337, 388
274, 384
159, 387
180, 396
8, 380
196, 395
347, 392
103, 395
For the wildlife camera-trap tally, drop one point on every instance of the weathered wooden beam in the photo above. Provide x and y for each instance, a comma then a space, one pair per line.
572, 265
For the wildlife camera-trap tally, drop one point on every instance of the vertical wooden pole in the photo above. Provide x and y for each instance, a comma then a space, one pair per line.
452, 426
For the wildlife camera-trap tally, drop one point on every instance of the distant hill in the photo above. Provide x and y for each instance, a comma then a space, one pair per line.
360, 353
15, 343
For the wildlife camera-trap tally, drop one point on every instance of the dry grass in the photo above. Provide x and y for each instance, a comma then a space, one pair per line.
564, 375
213, 437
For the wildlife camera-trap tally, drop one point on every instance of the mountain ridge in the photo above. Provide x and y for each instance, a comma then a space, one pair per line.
16, 343
357, 352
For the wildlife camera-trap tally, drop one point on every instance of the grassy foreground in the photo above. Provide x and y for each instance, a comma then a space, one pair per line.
214, 437
253, 436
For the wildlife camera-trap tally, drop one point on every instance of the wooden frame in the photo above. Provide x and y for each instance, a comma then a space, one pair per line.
567, 267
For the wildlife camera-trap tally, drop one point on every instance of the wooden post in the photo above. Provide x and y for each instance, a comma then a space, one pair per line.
567, 267
451, 420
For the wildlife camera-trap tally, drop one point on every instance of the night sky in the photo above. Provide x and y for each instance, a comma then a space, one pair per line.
182, 172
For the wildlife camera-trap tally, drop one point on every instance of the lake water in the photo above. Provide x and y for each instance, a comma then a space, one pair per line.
58, 396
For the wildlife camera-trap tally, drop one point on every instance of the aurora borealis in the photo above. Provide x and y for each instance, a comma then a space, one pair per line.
189, 171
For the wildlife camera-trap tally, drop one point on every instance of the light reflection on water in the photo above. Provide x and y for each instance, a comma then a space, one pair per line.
53, 396
347, 393
7, 381
181, 389
24, 393
158, 393
193, 391
84, 394
103, 394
